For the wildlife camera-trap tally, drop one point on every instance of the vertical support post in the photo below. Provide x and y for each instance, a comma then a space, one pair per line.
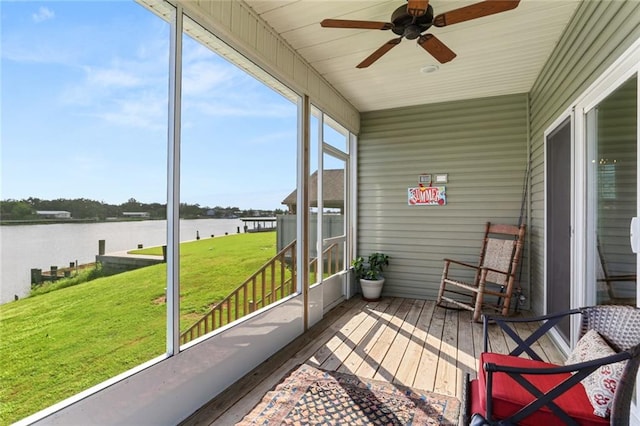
173, 185
304, 112
320, 204
101, 247
352, 206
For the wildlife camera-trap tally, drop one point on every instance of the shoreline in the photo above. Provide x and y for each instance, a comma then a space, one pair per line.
40, 246
95, 220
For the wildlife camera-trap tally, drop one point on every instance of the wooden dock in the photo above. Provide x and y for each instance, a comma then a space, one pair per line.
38, 276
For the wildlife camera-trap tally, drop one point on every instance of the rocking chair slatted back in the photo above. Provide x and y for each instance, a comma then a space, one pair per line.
498, 256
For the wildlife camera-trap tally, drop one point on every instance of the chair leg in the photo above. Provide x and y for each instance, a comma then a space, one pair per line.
445, 272
506, 301
477, 311
505, 305
465, 409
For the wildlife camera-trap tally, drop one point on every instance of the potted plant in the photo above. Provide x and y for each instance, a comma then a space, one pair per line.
370, 274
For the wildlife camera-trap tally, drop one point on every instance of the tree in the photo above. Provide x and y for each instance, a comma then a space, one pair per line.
16, 210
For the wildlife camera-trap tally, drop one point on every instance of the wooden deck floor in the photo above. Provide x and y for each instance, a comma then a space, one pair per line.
404, 341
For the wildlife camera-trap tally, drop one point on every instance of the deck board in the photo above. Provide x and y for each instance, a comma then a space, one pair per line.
405, 341
392, 362
426, 373
364, 369
357, 355
447, 372
466, 354
378, 353
411, 359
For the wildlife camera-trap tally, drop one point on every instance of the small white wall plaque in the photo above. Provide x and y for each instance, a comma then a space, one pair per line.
424, 179
442, 178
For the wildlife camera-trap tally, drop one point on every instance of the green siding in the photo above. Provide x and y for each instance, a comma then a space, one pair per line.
481, 144
598, 34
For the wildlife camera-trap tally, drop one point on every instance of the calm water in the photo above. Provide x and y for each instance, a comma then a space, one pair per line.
41, 246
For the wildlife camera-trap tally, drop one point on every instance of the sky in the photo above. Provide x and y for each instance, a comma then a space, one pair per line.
84, 105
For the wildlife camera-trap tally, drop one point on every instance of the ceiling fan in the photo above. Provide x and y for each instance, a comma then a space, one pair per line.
412, 20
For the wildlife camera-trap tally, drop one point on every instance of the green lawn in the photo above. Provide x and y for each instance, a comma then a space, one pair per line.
59, 343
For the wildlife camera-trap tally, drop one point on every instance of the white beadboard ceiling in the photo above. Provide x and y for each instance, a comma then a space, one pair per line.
497, 55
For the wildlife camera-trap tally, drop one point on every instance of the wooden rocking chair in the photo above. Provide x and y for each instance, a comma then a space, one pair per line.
494, 275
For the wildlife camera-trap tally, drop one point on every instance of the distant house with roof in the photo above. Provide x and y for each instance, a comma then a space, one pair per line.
53, 214
333, 199
332, 191
136, 215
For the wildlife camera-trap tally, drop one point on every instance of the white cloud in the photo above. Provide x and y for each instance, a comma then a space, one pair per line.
200, 79
43, 14
233, 107
126, 92
148, 112
274, 137
111, 77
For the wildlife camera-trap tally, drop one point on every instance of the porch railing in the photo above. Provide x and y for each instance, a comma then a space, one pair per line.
275, 280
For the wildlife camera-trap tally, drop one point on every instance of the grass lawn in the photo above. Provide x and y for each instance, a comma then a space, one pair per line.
57, 344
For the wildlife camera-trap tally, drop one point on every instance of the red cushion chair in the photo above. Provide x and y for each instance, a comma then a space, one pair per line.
513, 390
508, 397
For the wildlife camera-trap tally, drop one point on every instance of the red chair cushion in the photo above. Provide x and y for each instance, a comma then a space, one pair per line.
509, 396
474, 392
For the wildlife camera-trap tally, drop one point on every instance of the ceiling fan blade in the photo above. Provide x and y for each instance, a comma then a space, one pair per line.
436, 48
474, 11
417, 7
378, 53
365, 25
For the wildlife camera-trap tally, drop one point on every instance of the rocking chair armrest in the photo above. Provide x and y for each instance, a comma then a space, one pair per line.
457, 262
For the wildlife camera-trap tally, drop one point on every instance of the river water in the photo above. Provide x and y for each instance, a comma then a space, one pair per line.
23, 247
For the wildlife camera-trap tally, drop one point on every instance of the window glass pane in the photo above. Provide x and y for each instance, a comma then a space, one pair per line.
335, 135
314, 130
333, 190
84, 171
612, 137
238, 165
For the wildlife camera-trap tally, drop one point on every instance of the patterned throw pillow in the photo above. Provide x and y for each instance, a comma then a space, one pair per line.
600, 385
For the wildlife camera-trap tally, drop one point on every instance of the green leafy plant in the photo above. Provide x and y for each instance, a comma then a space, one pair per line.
370, 269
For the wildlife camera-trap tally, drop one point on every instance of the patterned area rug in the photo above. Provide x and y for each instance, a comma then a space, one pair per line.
312, 396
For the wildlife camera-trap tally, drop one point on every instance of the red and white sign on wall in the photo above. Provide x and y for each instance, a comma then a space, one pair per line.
427, 196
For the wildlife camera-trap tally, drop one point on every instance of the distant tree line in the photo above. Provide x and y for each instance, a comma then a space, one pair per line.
82, 208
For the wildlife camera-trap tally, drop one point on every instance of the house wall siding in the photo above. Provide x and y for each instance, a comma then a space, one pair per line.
239, 26
597, 35
480, 143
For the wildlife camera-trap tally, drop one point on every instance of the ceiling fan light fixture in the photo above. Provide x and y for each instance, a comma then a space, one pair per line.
429, 68
413, 19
